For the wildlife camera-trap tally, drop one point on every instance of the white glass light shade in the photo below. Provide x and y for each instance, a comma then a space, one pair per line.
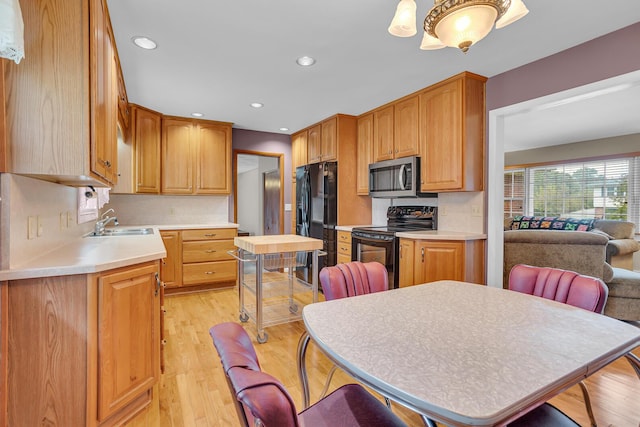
467, 26
430, 43
516, 11
404, 21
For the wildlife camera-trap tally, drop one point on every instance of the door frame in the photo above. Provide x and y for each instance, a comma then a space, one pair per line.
280, 157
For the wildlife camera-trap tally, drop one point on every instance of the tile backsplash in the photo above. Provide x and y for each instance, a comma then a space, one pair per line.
136, 209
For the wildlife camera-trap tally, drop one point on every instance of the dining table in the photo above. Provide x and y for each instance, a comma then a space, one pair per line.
464, 354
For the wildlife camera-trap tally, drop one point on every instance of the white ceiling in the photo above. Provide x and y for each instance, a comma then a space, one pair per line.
217, 57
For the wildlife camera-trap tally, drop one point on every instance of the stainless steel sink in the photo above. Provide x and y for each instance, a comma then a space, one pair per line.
123, 232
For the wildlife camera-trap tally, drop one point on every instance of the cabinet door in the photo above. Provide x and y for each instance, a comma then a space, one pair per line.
439, 260
171, 266
298, 150
364, 153
128, 336
329, 140
177, 156
213, 159
383, 134
406, 267
104, 90
314, 149
442, 138
146, 147
405, 128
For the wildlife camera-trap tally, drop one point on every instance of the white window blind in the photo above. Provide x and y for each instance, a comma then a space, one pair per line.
607, 189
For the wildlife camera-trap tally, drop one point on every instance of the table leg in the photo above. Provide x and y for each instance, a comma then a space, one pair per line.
262, 336
302, 367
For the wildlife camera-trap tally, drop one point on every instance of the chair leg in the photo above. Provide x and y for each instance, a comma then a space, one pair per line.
587, 403
428, 422
328, 382
634, 361
302, 367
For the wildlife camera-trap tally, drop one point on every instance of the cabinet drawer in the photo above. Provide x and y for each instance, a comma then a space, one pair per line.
208, 272
207, 250
344, 248
343, 259
209, 234
344, 237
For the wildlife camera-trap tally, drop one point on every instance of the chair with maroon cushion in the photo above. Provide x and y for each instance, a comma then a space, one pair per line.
568, 287
342, 281
261, 399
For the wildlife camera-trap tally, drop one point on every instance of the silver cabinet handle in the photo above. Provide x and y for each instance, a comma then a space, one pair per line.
210, 251
208, 272
210, 235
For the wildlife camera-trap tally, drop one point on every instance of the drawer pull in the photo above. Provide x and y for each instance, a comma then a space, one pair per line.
210, 235
164, 342
210, 251
208, 272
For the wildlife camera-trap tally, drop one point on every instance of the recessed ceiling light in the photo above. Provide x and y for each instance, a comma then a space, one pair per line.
144, 42
257, 104
305, 61
284, 129
197, 114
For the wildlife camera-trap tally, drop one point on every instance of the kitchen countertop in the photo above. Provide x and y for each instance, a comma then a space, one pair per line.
441, 235
95, 254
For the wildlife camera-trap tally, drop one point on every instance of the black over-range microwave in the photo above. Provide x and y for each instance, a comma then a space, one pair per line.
396, 178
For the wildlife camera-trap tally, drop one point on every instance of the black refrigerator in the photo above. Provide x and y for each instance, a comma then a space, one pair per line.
317, 208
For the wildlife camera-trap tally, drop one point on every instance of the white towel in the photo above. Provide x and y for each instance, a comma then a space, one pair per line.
103, 196
11, 31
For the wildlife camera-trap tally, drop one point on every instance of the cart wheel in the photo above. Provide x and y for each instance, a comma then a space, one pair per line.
262, 338
293, 308
244, 317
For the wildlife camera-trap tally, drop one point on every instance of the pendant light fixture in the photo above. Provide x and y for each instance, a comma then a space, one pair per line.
456, 23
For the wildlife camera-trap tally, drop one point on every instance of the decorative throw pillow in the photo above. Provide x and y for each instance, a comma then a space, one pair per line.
522, 222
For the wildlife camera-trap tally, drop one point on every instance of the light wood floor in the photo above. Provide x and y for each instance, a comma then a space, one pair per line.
193, 391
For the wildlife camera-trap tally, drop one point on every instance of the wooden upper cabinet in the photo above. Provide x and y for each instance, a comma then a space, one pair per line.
146, 132
196, 156
452, 135
61, 103
177, 156
383, 133
213, 158
405, 127
364, 152
314, 144
298, 150
329, 140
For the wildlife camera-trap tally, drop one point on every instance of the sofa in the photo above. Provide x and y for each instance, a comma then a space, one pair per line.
598, 248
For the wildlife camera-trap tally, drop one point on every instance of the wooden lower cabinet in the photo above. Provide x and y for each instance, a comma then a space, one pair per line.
198, 259
406, 265
344, 247
82, 350
447, 260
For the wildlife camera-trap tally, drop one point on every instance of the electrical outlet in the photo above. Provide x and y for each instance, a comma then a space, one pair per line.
443, 210
475, 210
40, 226
32, 227
69, 219
63, 220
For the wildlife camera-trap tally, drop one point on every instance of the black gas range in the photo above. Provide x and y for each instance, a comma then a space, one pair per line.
379, 243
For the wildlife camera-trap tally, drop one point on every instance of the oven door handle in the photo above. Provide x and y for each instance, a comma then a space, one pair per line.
361, 239
402, 177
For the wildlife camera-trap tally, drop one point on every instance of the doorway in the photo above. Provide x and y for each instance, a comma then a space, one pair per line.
258, 192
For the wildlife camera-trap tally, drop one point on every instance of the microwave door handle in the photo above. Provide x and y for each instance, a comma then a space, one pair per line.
402, 177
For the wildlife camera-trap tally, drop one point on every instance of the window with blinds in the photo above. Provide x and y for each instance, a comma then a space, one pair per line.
608, 189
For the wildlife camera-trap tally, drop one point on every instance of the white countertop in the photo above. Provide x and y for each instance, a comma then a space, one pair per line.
441, 235
95, 254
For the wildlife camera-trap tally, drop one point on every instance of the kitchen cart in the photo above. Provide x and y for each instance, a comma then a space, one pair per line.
275, 279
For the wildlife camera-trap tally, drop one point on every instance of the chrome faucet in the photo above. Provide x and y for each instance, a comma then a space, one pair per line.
104, 220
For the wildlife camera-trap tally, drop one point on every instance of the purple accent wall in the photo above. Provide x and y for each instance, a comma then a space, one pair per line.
266, 142
607, 56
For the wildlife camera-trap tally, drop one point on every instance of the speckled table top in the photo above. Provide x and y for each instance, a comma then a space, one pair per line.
465, 354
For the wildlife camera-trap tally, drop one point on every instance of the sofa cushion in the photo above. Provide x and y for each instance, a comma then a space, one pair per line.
625, 283
616, 229
521, 222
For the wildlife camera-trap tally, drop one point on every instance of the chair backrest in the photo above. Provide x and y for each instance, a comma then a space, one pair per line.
257, 395
589, 293
353, 278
